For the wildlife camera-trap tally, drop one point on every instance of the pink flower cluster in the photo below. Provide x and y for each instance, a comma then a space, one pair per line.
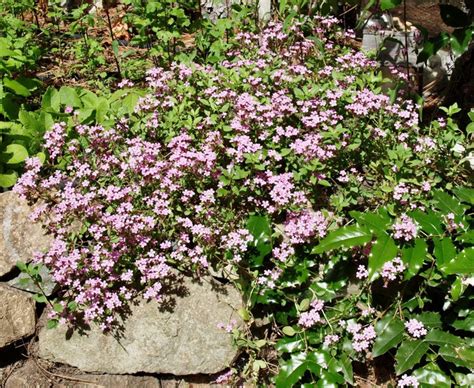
310, 318
392, 269
301, 226
408, 381
415, 328
362, 337
405, 229
172, 184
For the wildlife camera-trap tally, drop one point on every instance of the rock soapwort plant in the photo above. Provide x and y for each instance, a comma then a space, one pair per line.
248, 168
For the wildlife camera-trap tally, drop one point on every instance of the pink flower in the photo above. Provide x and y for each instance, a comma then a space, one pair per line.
330, 339
405, 229
310, 318
415, 328
362, 272
392, 269
408, 381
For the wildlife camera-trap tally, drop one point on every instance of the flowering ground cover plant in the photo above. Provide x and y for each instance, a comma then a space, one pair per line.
247, 168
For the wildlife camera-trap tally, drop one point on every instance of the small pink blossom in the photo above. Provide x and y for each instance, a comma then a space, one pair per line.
408, 381
415, 328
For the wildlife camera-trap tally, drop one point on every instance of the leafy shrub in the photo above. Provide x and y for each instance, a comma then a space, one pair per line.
247, 168
18, 54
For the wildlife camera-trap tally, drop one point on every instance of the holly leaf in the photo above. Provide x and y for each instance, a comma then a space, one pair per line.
389, 334
414, 257
444, 250
383, 251
439, 337
463, 263
347, 236
430, 222
409, 354
376, 222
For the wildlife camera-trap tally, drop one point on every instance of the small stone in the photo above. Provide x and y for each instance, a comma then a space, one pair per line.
19, 237
182, 340
17, 315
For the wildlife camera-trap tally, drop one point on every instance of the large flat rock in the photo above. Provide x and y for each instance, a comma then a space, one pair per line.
19, 237
183, 341
17, 315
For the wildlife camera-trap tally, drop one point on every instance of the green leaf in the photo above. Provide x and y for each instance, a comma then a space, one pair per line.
383, 250
444, 250
14, 154
52, 324
460, 40
21, 266
289, 345
8, 178
465, 194
16, 87
459, 355
347, 236
39, 298
346, 366
432, 376
453, 16
432, 46
429, 319
376, 222
69, 97
414, 257
463, 263
409, 354
464, 380
261, 231
439, 337
389, 334
448, 204
289, 331
389, 4
466, 324
292, 370
430, 222
467, 237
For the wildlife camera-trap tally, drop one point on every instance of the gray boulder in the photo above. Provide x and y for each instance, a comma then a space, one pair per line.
17, 315
19, 237
181, 340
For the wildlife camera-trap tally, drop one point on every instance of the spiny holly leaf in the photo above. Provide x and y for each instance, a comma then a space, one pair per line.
448, 204
293, 369
439, 337
463, 263
409, 354
375, 222
347, 236
429, 221
444, 250
259, 227
389, 334
432, 376
459, 355
383, 251
465, 194
414, 257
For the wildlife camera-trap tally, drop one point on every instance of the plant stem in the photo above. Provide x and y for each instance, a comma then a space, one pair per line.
117, 62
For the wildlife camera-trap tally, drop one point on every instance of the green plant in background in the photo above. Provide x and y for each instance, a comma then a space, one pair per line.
160, 26
19, 53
